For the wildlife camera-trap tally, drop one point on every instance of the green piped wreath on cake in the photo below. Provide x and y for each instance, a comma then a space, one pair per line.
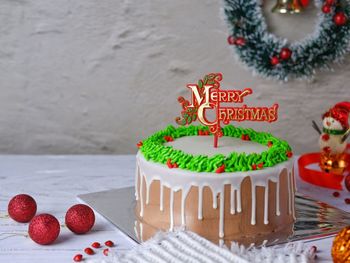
153, 149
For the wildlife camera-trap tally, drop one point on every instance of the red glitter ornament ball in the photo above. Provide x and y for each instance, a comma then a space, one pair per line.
340, 19
22, 208
44, 229
347, 182
80, 219
285, 53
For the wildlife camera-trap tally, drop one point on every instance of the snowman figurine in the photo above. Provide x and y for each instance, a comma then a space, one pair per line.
333, 137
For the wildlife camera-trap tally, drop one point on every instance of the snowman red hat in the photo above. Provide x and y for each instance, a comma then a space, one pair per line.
340, 112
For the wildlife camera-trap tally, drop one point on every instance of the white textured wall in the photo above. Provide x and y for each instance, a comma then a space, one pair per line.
87, 76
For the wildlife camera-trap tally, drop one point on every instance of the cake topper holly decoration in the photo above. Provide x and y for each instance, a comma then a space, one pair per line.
206, 97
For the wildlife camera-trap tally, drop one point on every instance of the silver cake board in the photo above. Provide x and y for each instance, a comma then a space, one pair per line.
314, 219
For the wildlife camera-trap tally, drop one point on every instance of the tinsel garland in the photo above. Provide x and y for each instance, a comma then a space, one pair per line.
327, 44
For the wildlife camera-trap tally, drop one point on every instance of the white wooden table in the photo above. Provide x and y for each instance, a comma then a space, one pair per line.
55, 181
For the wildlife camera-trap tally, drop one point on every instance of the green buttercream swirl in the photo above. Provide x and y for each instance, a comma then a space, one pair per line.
153, 149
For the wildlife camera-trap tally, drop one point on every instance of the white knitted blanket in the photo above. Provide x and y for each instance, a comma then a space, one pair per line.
185, 246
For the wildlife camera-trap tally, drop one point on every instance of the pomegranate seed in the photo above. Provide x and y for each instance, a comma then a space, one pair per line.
89, 251
261, 165
96, 245
254, 166
105, 252
247, 138
347, 201
78, 258
175, 165
336, 194
269, 144
243, 137
289, 154
139, 144
109, 243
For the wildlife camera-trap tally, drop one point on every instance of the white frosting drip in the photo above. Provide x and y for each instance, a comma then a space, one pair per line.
178, 179
278, 211
222, 210
232, 200
253, 217
266, 204
200, 203
137, 182
171, 210
239, 203
141, 195
215, 200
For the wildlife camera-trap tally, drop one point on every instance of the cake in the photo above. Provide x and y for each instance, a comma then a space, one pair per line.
243, 190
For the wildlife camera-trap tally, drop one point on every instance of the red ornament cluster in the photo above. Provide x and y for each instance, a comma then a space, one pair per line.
239, 41
45, 228
285, 54
89, 251
339, 18
139, 144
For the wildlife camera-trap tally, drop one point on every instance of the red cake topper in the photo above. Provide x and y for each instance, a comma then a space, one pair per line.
207, 96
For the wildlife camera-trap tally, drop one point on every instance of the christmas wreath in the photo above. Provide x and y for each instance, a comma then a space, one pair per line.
273, 57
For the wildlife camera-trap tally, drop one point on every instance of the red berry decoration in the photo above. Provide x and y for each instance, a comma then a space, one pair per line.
254, 166
347, 182
289, 154
347, 201
285, 53
240, 41
44, 229
231, 40
269, 144
80, 219
96, 245
22, 208
89, 251
139, 144
326, 9
274, 61
340, 19
78, 258
220, 169
109, 243
105, 252
261, 165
